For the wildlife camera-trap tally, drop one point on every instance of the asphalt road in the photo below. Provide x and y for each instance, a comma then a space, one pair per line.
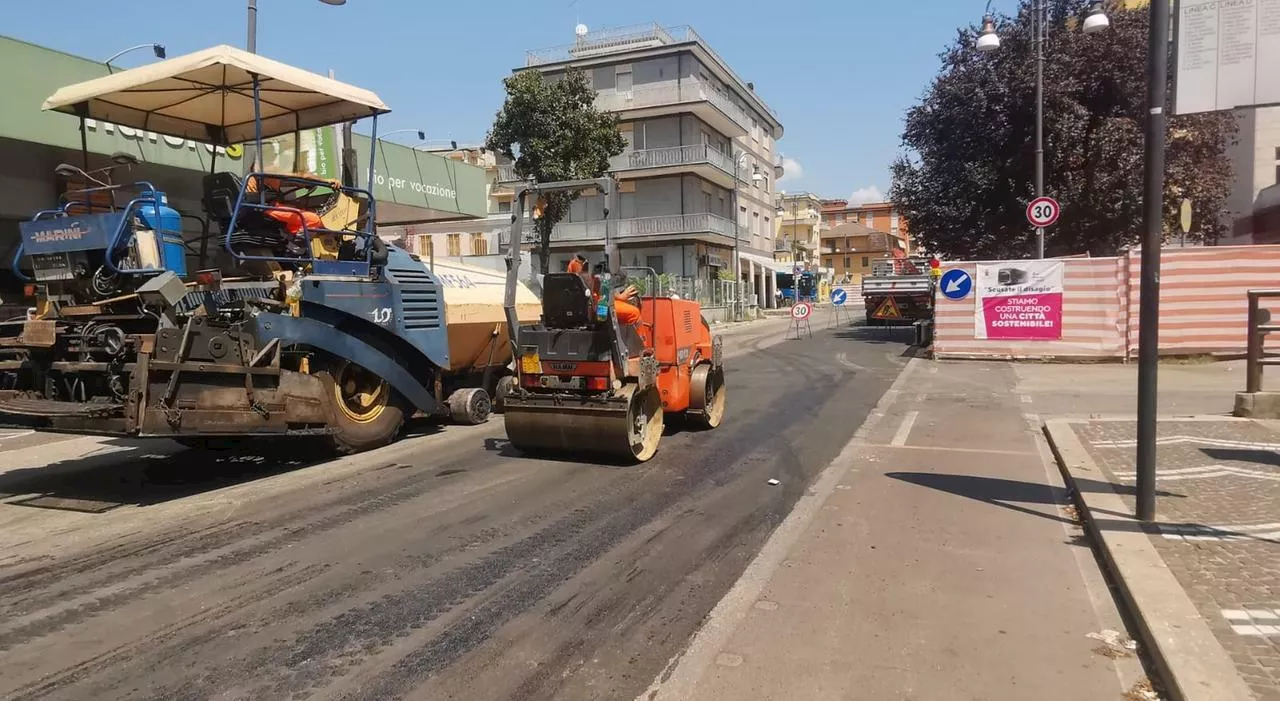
446, 566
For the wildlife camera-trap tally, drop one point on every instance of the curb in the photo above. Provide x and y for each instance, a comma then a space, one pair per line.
1190, 662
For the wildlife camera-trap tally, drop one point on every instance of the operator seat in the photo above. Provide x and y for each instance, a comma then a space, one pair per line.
566, 301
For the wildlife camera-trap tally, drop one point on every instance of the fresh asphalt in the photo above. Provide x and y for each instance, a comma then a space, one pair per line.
446, 566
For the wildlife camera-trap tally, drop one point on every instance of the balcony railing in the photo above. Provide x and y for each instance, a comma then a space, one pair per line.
672, 156
665, 225
688, 90
507, 174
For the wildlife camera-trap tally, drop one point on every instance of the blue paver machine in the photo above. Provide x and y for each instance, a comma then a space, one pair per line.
313, 326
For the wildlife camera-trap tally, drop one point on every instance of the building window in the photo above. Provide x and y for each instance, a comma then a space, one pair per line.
742, 217
504, 208
479, 245
623, 83
767, 227
866, 261
840, 217
855, 217
893, 222
847, 263
755, 222
871, 220
655, 262
454, 247
828, 262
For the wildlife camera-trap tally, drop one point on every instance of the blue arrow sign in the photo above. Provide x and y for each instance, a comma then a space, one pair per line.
956, 284
839, 296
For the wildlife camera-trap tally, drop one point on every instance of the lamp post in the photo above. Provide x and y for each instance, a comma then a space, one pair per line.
157, 49
738, 165
251, 44
1152, 239
988, 41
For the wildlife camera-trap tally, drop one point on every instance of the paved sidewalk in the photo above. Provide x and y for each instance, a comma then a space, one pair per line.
935, 559
1218, 535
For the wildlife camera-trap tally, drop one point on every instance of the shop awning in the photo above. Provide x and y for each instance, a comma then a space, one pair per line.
766, 263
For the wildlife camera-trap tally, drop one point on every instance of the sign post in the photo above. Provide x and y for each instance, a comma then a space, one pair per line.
800, 313
839, 298
1184, 219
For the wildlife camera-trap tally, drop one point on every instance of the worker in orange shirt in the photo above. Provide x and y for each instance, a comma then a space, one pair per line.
623, 307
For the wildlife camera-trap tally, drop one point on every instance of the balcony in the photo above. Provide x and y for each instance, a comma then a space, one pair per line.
700, 226
618, 40
689, 95
698, 158
507, 175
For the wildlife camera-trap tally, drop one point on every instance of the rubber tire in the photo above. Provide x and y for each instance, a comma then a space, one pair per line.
470, 406
504, 387
348, 437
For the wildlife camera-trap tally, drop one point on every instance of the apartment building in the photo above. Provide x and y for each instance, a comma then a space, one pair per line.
880, 216
851, 249
699, 167
799, 227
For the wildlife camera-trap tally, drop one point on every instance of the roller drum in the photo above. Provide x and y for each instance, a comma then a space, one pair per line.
628, 426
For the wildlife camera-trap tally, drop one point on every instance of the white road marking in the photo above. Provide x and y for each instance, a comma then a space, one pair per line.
904, 429
19, 434
1254, 622
1194, 440
1229, 532
1204, 471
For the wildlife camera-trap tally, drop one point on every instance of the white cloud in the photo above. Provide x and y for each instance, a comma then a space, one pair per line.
862, 195
791, 169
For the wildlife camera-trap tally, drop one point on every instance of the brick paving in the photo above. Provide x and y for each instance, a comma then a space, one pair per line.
1218, 503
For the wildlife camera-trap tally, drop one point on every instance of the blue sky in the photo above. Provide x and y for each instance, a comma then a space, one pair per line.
840, 73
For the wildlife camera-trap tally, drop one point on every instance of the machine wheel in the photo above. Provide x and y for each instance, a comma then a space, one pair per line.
504, 387
470, 406
367, 412
645, 424
707, 396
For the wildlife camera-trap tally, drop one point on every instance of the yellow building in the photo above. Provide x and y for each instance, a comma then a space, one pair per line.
798, 230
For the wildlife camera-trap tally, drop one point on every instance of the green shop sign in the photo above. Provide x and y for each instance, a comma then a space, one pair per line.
420, 179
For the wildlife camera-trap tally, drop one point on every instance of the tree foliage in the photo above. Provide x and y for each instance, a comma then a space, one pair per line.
968, 170
552, 131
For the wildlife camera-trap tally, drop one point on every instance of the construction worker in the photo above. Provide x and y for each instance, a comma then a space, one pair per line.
623, 307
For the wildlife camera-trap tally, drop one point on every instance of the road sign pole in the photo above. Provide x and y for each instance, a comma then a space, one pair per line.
1153, 237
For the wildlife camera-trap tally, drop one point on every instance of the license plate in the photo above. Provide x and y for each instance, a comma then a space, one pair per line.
554, 382
51, 266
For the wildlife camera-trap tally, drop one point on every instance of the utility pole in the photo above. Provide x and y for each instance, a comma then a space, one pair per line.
1152, 240
1038, 27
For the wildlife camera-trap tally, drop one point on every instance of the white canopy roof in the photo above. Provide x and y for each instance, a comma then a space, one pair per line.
208, 96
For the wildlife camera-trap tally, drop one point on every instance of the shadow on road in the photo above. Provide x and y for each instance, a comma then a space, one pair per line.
1014, 494
145, 472
1257, 457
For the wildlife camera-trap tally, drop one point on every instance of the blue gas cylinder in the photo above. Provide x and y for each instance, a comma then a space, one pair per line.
168, 233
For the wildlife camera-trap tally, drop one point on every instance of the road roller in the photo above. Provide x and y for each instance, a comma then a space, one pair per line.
589, 383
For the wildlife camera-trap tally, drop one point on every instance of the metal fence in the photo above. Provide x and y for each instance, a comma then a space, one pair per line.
708, 293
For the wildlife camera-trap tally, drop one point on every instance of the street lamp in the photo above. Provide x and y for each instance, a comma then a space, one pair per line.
988, 41
252, 42
157, 49
422, 135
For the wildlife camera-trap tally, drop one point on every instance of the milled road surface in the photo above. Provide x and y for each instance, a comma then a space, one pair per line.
446, 566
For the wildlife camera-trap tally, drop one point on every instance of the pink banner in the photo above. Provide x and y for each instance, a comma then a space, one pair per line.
1019, 300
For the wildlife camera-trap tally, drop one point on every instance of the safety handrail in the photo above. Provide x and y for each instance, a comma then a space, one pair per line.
148, 196
1255, 355
242, 203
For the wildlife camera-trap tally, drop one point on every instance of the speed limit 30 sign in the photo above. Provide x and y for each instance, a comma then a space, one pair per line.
1043, 211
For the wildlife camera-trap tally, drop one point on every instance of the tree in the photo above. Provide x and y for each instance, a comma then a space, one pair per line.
552, 131
968, 170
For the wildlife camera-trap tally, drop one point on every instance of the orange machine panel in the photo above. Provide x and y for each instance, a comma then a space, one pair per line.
675, 329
